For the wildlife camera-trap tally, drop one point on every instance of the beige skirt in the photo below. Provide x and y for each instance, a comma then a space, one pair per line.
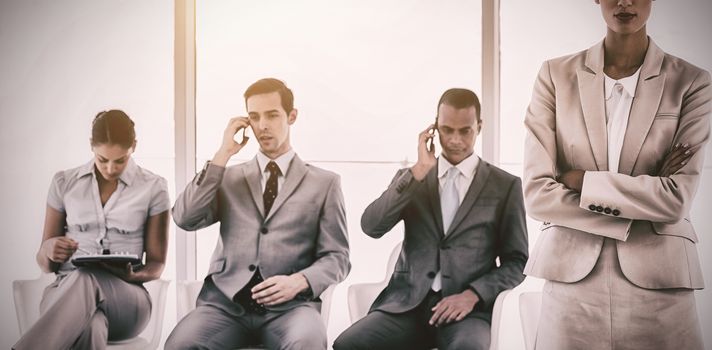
606, 311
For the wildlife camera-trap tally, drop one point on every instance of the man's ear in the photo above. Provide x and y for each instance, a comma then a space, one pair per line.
292, 116
479, 126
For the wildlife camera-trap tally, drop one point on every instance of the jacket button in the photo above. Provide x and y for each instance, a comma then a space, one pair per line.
592, 207
599, 208
431, 274
264, 230
444, 246
607, 210
616, 212
252, 267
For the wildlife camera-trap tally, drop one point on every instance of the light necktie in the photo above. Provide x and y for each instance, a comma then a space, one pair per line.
449, 198
270, 192
449, 203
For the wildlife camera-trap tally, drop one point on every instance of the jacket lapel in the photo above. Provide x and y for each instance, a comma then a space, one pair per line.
644, 108
252, 178
590, 83
433, 188
295, 174
478, 183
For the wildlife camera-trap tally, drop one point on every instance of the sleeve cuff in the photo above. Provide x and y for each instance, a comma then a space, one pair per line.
590, 196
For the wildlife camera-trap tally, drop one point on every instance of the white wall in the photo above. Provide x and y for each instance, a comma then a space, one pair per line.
61, 62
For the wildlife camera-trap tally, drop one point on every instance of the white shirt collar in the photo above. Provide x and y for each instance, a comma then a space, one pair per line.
282, 161
467, 166
629, 83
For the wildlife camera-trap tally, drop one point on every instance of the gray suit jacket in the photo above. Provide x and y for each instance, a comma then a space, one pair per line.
647, 215
305, 231
490, 223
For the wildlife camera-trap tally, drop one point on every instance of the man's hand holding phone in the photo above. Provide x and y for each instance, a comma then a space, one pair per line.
426, 153
229, 146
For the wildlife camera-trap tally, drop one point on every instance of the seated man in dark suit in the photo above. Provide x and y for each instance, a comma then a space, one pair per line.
461, 214
282, 238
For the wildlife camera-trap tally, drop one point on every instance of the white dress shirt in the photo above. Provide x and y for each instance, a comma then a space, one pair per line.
619, 96
467, 168
282, 161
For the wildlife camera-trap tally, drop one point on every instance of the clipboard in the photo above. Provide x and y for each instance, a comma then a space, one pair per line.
114, 259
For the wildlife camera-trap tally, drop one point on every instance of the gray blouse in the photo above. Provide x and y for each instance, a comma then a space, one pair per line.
119, 225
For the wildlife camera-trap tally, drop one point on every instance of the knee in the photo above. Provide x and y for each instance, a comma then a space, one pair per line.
181, 342
305, 344
312, 341
347, 341
303, 338
468, 343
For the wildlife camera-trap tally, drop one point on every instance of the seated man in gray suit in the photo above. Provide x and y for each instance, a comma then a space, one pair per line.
283, 237
460, 215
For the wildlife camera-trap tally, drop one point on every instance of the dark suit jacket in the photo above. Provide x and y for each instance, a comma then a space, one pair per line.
305, 231
490, 223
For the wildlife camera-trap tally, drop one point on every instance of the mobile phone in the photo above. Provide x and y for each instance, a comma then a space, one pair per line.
431, 141
244, 136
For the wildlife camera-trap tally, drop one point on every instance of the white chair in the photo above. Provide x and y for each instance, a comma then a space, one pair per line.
187, 294
529, 310
360, 296
28, 294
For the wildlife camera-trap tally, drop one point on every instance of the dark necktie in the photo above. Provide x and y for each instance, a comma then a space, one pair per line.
271, 186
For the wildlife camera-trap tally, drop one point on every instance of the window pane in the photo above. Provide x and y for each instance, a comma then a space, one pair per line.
366, 76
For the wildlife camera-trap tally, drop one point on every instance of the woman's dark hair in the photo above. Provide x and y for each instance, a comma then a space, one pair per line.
113, 127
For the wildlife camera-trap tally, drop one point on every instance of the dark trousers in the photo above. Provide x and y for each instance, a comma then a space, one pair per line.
410, 330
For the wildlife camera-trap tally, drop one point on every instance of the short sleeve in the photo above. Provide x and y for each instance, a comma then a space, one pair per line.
160, 201
55, 197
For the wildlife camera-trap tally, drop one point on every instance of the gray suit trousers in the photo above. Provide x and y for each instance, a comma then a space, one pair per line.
86, 308
219, 323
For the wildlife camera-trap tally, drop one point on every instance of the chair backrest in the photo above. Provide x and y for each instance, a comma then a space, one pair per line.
360, 296
529, 310
152, 333
187, 293
28, 295
497, 318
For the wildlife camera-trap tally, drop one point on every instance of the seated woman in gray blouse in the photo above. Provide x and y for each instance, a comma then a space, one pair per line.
108, 205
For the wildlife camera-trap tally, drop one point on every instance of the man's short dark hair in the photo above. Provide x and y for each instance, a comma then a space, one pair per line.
268, 85
460, 98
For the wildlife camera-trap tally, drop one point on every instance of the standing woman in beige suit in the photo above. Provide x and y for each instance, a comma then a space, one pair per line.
614, 150
108, 205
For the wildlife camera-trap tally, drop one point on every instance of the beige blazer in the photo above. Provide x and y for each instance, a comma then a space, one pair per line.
305, 231
647, 215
